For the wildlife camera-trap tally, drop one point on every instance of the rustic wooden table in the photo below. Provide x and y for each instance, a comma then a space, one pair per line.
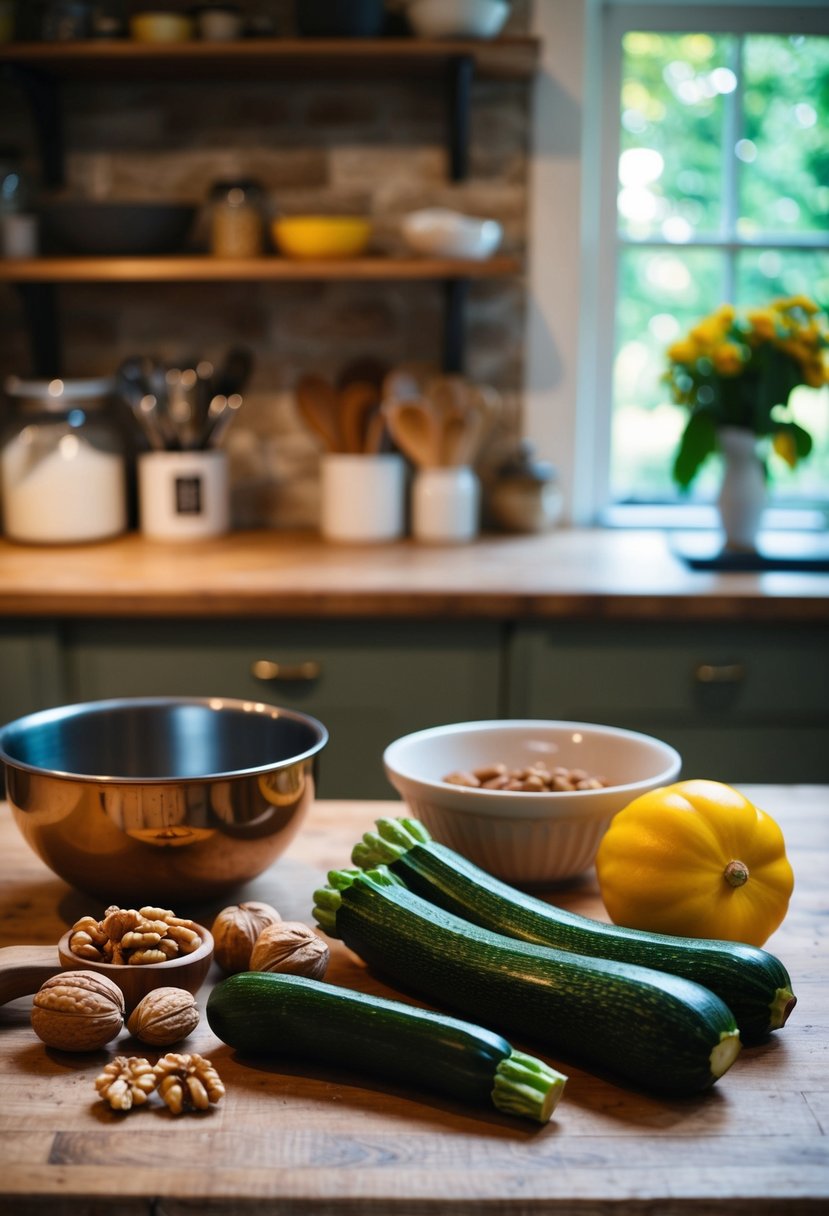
290, 1140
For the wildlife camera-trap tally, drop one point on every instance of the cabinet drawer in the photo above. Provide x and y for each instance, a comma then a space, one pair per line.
743, 673
374, 680
740, 703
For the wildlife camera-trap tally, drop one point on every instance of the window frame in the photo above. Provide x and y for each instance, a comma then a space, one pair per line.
569, 366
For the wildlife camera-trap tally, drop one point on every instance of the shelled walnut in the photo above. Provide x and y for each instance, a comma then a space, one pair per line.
164, 1016
291, 948
78, 1011
187, 1082
134, 936
235, 931
127, 1081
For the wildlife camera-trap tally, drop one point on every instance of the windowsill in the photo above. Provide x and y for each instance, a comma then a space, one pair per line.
702, 517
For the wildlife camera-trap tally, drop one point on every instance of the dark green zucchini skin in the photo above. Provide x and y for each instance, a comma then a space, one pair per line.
753, 983
647, 1027
273, 1016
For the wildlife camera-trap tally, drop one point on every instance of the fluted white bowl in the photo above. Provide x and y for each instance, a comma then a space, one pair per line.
457, 18
525, 838
439, 232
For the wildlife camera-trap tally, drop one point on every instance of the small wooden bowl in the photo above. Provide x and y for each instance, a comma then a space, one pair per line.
188, 972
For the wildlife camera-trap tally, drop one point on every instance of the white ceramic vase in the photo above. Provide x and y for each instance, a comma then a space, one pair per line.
742, 496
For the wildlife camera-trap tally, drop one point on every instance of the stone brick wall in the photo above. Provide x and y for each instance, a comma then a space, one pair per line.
374, 145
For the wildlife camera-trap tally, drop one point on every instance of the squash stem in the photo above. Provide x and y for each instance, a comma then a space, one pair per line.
725, 1053
736, 873
527, 1086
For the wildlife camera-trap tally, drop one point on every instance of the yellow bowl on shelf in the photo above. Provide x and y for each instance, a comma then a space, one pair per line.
161, 26
321, 236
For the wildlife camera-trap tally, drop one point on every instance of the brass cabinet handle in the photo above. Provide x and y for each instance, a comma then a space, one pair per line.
719, 673
267, 669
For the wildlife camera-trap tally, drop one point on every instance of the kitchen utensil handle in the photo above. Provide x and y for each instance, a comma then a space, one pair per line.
24, 968
297, 673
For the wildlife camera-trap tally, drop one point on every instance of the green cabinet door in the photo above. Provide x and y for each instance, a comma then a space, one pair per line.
368, 681
31, 668
740, 702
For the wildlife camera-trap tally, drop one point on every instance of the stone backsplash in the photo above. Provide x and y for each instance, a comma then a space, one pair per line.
372, 145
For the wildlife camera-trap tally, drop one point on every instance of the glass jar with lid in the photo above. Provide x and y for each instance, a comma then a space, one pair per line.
62, 463
236, 219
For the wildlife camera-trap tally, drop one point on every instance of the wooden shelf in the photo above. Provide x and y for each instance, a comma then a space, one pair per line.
505, 58
273, 269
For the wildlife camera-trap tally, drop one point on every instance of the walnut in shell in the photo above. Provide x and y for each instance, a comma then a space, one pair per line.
235, 931
291, 948
78, 1011
164, 1016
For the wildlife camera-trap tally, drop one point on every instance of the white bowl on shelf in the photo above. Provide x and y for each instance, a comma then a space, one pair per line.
525, 838
439, 232
457, 18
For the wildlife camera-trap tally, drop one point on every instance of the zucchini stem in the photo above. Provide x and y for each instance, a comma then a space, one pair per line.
527, 1086
780, 1008
393, 838
725, 1052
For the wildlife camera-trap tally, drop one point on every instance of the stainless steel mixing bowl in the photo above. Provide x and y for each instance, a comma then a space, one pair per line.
173, 798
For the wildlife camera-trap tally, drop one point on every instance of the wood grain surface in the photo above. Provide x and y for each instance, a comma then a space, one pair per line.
570, 573
288, 1139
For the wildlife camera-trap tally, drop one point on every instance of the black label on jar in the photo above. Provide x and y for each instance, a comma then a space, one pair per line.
188, 496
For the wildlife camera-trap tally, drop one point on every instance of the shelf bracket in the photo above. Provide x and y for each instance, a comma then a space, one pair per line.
43, 95
454, 329
461, 72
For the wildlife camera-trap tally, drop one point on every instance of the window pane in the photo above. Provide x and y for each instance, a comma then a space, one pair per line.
784, 151
768, 274
672, 114
662, 292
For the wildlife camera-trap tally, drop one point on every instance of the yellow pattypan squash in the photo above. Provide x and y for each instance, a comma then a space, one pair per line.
695, 859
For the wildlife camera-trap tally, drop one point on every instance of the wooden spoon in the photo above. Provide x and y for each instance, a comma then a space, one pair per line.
24, 968
357, 401
414, 429
318, 406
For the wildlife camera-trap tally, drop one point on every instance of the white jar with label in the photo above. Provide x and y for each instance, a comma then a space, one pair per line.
62, 463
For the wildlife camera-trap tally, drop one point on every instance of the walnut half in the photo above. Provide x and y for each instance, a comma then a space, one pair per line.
187, 1082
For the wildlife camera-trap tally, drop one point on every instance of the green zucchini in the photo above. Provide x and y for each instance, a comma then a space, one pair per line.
272, 1015
753, 983
660, 1031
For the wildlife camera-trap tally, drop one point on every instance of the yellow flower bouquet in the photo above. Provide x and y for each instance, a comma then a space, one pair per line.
738, 368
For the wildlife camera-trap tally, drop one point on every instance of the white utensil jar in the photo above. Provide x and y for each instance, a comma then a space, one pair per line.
63, 463
362, 497
445, 504
183, 495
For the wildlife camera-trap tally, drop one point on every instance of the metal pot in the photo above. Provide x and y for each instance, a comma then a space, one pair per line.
173, 798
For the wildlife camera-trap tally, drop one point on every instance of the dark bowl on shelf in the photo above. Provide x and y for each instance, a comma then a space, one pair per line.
340, 18
114, 229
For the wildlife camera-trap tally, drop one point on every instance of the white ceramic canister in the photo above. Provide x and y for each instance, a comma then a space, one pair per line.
63, 463
362, 497
183, 495
446, 504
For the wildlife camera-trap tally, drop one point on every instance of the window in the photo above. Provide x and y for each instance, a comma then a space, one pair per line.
687, 145
722, 195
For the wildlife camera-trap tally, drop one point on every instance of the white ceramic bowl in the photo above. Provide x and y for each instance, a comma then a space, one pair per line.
439, 232
457, 18
525, 838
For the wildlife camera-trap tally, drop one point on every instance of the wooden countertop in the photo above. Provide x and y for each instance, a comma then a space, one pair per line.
288, 1140
569, 573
